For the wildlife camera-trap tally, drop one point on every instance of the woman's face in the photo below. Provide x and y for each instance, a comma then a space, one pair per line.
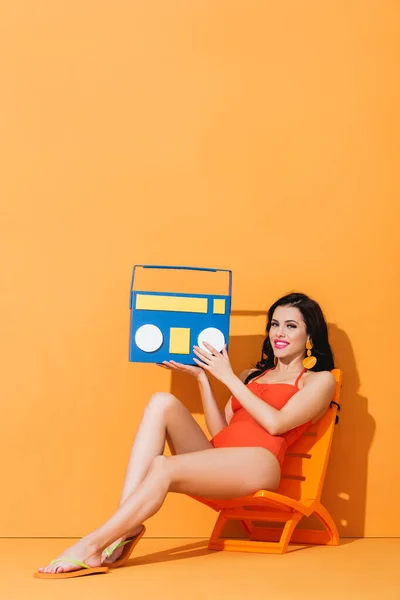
288, 333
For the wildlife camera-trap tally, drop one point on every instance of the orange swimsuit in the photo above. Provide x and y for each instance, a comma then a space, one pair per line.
243, 430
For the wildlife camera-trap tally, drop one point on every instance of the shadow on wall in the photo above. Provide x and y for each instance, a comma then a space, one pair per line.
345, 487
344, 493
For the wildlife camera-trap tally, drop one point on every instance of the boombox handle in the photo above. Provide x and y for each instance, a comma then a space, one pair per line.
185, 268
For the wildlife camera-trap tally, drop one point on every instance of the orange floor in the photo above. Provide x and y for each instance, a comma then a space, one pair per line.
184, 569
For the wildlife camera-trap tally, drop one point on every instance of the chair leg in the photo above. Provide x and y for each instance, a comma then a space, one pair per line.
261, 538
329, 536
325, 518
288, 531
280, 538
214, 543
272, 540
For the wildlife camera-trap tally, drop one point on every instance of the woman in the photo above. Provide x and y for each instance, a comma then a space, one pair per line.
268, 410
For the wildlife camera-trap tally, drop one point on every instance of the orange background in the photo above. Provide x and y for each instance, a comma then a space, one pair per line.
251, 135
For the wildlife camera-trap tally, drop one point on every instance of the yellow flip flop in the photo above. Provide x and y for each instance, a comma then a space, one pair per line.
85, 570
127, 551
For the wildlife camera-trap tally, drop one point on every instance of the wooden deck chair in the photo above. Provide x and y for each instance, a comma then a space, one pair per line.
298, 495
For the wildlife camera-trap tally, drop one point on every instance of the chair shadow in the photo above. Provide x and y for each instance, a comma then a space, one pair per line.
344, 492
192, 550
345, 488
293, 548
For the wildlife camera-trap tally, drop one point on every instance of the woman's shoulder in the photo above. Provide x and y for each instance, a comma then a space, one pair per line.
244, 374
323, 378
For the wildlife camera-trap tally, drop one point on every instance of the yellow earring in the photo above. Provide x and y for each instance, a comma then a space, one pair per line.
310, 361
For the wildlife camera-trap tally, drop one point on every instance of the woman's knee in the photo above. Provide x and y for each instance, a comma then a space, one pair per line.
161, 402
160, 468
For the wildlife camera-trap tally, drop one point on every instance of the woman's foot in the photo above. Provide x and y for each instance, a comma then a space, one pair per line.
83, 551
115, 555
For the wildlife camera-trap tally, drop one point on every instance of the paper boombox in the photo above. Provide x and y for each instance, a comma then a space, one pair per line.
166, 325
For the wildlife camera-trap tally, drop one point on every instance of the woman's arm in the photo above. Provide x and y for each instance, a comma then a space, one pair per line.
228, 406
315, 396
215, 420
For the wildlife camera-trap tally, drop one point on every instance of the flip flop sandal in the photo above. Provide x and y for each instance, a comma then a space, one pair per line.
85, 570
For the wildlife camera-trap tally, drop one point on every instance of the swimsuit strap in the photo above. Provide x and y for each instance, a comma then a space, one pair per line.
299, 377
272, 368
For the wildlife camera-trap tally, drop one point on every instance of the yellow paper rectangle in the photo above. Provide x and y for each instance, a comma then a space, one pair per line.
171, 303
179, 340
219, 306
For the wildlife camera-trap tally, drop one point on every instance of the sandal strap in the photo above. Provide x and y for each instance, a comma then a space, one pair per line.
110, 550
72, 560
124, 542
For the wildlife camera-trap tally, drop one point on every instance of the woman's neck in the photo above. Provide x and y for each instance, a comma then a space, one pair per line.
293, 366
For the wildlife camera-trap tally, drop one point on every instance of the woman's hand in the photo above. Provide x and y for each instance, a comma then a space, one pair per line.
214, 362
175, 366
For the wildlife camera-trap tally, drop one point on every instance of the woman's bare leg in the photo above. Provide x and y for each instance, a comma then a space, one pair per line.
217, 472
164, 418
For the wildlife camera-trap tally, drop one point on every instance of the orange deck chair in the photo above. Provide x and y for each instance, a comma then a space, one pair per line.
298, 495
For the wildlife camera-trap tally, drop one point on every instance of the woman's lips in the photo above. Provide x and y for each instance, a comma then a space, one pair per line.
281, 345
